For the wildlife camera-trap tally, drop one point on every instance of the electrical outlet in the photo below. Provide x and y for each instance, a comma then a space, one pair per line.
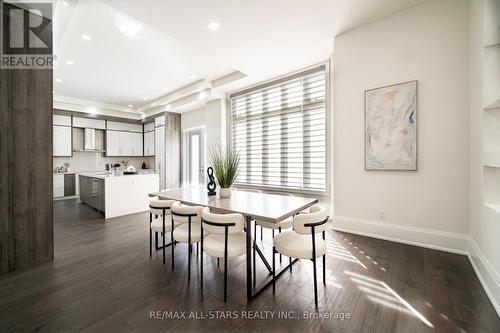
381, 215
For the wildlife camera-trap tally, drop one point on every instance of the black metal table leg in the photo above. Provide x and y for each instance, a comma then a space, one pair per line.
263, 258
248, 224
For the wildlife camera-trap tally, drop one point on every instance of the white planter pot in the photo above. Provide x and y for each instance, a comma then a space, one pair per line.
225, 192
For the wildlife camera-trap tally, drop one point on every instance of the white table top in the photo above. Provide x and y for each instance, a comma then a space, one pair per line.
260, 206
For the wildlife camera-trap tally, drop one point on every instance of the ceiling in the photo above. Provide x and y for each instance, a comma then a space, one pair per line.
142, 50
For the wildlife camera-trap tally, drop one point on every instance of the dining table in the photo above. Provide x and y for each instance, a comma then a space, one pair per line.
253, 206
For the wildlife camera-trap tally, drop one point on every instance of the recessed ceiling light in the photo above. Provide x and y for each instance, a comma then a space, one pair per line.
92, 110
59, 80
165, 89
144, 99
130, 106
65, 3
192, 76
85, 37
70, 62
213, 26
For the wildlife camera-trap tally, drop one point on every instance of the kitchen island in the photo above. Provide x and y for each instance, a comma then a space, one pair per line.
118, 194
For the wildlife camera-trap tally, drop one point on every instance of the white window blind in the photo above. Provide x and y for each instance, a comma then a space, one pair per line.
279, 130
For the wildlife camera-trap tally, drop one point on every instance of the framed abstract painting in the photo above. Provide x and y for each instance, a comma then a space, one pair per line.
391, 127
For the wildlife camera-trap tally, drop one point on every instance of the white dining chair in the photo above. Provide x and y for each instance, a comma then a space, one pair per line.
303, 242
188, 229
162, 223
224, 238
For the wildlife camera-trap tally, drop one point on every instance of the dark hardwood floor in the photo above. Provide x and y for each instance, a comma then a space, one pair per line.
103, 280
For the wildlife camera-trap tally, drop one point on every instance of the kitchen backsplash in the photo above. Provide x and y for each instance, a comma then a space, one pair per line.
85, 161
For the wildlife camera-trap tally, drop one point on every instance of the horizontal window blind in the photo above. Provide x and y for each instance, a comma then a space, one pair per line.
279, 130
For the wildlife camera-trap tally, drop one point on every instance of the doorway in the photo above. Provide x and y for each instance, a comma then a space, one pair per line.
194, 157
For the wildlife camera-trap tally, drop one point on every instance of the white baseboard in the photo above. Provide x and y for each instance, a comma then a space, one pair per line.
429, 238
432, 239
489, 277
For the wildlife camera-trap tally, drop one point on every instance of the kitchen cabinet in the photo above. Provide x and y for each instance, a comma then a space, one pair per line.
126, 144
149, 144
58, 186
149, 127
168, 148
173, 150
61, 120
89, 123
69, 184
64, 185
112, 143
160, 121
137, 140
160, 154
62, 139
119, 143
92, 192
126, 127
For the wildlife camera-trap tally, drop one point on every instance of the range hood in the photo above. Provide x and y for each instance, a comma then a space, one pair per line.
89, 142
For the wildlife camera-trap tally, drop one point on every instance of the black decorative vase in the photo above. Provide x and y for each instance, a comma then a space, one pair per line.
211, 186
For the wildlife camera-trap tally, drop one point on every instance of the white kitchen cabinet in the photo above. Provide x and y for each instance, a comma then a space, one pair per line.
61, 136
127, 127
149, 143
61, 120
126, 144
137, 141
150, 127
89, 123
112, 143
119, 143
160, 121
58, 188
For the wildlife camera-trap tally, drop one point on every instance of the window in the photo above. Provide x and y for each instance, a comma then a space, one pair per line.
279, 130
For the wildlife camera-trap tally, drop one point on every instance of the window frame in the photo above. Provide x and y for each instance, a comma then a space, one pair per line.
328, 126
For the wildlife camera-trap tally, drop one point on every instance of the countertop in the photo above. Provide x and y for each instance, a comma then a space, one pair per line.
105, 175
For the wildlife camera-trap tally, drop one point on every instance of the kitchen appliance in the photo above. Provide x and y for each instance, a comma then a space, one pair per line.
89, 139
90, 143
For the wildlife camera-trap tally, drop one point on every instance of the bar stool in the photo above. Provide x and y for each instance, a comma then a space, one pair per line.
303, 243
225, 238
162, 223
188, 229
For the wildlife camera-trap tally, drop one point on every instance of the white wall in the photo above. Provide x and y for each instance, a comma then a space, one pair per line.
84, 161
213, 116
428, 43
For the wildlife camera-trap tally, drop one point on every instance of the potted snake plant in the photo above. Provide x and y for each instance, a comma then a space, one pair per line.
226, 164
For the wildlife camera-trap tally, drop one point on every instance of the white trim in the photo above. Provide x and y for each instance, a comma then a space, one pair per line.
423, 237
429, 238
90, 103
487, 275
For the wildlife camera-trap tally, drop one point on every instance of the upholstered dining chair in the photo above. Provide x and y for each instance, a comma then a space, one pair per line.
162, 223
223, 237
303, 242
188, 229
